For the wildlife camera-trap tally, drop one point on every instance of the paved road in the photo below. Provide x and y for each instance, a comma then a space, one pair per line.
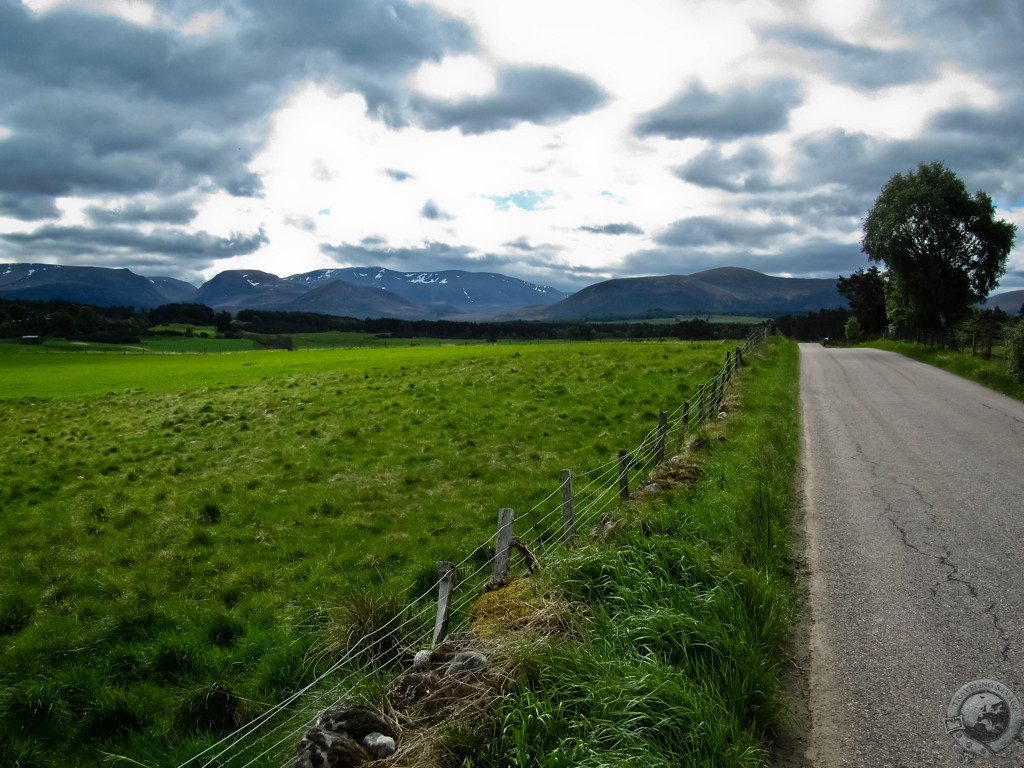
914, 508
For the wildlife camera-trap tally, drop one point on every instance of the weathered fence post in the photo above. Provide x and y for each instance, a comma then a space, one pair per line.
662, 437
739, 355
623, 475
504, 544
568, 507
446, 572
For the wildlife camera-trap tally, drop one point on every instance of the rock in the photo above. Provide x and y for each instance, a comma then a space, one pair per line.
722, 414
324, 749
380, 745
421, 661
467, 661
356, 722
651, 488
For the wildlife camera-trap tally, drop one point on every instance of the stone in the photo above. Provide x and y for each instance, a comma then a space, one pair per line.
324, 749
421, 661
467, 661
380, 745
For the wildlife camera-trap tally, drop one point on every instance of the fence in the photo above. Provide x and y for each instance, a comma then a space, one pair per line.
985, 345
578, 501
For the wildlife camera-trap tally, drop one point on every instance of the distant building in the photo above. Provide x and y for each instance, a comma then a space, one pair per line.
31, 339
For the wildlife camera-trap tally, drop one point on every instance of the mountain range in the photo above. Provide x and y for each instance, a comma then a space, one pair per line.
454, 294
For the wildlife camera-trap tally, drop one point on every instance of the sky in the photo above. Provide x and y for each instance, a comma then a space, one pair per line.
563, 142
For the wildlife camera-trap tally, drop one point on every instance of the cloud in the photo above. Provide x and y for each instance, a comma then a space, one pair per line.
612, 229
540, 95
166, 211
858, 65
741, 111
96, 105
717, 231
398, 175
125, 246
432, 212
746, 170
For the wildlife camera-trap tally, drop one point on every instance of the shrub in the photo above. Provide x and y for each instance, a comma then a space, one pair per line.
1015, 351
852, 330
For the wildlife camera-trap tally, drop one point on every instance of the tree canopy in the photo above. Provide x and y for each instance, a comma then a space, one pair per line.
943, 249
865, 290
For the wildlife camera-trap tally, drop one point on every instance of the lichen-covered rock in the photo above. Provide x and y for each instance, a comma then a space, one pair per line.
325, 749
337, 738
380, 745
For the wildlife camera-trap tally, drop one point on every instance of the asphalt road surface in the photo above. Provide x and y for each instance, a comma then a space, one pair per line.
914, 515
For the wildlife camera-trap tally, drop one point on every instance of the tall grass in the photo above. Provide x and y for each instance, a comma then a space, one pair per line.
687, 607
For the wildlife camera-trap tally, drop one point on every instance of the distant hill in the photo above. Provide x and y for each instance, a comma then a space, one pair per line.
237, 289
173, 290
447, 292
720, 291
1010, 302
88, 285
345, 299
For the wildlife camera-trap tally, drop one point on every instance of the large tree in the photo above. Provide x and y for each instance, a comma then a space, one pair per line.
943, 249
865, 290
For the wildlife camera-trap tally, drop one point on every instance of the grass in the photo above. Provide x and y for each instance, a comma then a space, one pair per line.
686, 609
991, 373
179, 532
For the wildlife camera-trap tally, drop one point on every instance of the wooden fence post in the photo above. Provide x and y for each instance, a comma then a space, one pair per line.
662, 437
623, 475
446, 571
504, 544
568, 507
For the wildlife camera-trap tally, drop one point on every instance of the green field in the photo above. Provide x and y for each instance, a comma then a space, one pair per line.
180, 530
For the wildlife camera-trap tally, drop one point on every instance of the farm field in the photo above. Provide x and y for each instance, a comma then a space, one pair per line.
179, 532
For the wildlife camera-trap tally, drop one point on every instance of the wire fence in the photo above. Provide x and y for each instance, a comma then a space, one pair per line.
987, 345
270, 738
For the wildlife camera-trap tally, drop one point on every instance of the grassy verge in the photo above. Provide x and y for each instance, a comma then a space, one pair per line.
687, 606
990, 373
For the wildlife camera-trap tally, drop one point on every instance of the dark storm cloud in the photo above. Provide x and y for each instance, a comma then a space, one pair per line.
540, 95
27, 206
120, 246
714, 231
748, 170
612, 229
858, 65
95, 105
432, 212
741, 111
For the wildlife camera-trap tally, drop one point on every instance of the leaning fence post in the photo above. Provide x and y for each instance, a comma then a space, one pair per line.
662, 437
446, 572
568, 507
501, 551
623, 475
